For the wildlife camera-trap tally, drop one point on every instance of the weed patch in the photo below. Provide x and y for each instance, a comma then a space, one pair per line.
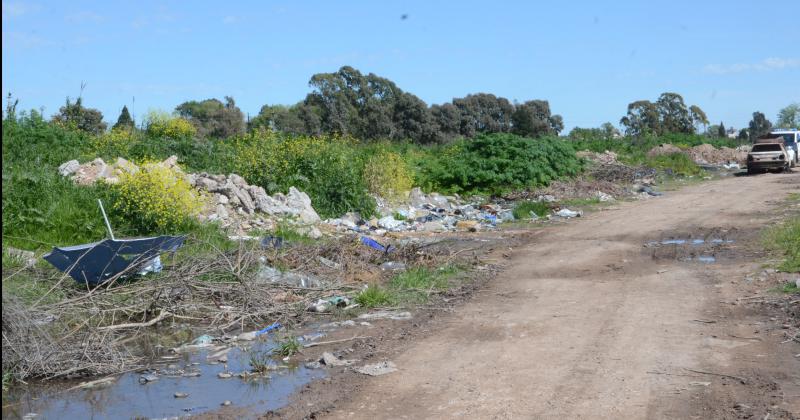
524, 209
784, 239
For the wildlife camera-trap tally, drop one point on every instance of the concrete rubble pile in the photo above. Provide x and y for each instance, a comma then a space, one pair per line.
232, 202
241, 208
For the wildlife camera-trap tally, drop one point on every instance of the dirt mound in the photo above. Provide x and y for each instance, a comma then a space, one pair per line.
708, 154
606, 157
663, 149
705, 154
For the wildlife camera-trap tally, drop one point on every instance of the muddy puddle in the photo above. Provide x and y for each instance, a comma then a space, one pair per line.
702, 246
178, 385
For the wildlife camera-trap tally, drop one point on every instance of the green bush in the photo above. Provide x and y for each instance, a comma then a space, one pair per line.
523, 209
374, 296
161, 124
388, 175
497, 163
328, 169
785, 240
677, 163
157, 198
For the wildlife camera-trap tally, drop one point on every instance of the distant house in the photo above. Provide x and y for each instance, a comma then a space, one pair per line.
732, 133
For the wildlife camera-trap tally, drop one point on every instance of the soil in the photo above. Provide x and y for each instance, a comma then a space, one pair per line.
607, 316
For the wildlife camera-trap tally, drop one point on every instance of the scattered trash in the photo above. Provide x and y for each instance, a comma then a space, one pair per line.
698, 383
390, 223
393, 266
190, 409
97, 262
224, 375
323, 305
332, 361
313, 365
180, 395
329, 263
377, 369
397, 316
273, 326
649, 191
273, 275
247, 336
148, 377
271, 242
203, 340
374, 244
226, 403
567, 213
603, 197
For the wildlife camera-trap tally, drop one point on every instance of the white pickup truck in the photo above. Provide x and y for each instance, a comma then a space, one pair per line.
791, 140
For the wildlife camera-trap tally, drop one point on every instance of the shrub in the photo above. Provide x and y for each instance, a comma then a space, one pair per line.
388, 175
115, 143
785, 239
161, 124
157, 198
677, 163
374, 296
523, 209
329, 169
496, 163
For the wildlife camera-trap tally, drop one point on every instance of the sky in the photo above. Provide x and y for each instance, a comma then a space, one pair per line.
588, 59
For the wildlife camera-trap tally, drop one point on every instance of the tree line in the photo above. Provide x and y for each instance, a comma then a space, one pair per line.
371, 107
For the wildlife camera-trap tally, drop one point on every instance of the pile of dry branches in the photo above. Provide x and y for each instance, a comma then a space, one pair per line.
87, 332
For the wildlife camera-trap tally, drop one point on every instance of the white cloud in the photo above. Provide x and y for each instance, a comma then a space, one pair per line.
769, 64
18, 8
228, 20
84, 17
24, 40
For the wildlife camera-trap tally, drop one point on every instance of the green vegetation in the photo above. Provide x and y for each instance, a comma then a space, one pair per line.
414, 285
496, 163
788, 288
287, 347
8, 377
375, 296
784, 239
675, 163
260, 361
523, 209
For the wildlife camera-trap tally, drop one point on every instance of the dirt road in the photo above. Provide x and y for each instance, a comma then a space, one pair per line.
589, 321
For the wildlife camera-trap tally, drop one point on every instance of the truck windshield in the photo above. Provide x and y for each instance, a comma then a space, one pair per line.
788, 138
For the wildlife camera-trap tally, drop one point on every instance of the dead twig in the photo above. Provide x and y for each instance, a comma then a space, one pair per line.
325, 343
149, 323
738, 378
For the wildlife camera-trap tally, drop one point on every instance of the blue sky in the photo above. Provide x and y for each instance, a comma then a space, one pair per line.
588, 59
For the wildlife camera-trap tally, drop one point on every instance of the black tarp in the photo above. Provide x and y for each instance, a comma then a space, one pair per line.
98, 262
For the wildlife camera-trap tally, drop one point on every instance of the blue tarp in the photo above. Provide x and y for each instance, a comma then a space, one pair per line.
98, 262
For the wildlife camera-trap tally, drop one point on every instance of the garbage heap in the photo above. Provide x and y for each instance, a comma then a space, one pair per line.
426, 213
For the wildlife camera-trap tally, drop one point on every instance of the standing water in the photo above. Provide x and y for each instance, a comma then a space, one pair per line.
193, 374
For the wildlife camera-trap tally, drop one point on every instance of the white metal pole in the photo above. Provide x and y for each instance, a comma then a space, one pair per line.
108, 225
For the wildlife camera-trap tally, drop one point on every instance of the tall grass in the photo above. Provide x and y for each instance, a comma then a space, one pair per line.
784, 239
